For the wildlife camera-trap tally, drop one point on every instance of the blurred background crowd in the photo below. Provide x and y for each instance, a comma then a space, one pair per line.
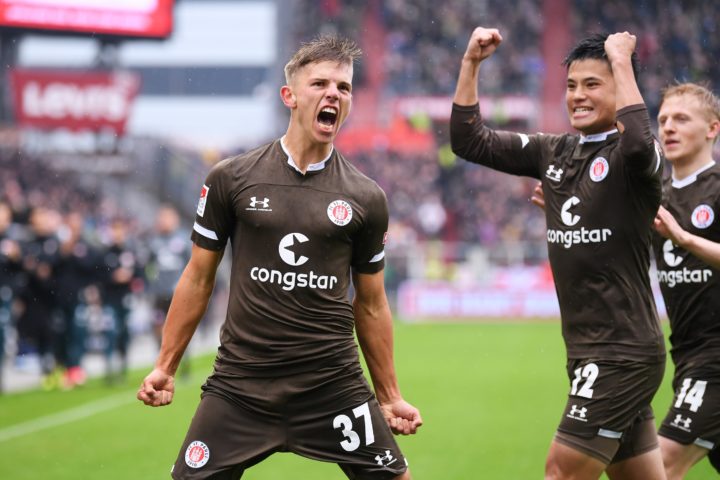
90, 252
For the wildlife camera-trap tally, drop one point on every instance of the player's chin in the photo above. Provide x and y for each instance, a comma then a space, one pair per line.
325, 137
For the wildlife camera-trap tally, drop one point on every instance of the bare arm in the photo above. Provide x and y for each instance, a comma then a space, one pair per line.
373, 323
619, 48
704, 249
482, 44
189, 303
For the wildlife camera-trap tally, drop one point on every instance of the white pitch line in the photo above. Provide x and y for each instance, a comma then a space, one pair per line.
67, 416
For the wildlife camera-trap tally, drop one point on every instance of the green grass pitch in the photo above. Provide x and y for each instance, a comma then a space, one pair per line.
490, 396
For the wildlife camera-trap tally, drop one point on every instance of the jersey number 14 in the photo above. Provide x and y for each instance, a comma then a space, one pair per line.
692, 396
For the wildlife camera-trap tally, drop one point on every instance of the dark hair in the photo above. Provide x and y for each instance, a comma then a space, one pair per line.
593, 48
323, 48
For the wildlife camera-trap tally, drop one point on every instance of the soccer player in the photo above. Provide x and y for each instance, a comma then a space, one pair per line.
301, 221
602, 189
687, 253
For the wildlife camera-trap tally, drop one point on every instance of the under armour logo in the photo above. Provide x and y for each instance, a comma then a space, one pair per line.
682, 422
578, 412
385, 460
554, 173
254, 202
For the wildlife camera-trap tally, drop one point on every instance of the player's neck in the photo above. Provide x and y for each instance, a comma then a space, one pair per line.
304, 150
682, 169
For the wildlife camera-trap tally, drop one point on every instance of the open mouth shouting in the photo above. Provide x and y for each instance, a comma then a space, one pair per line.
327, 118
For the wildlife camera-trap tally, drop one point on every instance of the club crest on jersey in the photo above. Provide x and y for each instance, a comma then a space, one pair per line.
197, 454
339, 212
703, 216
599, 169
203, 200
553, 173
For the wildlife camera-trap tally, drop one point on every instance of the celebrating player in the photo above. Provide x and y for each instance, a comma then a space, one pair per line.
300, 218
688, 263
602, 189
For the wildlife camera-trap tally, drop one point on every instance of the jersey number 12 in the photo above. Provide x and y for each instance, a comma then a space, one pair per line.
590, 372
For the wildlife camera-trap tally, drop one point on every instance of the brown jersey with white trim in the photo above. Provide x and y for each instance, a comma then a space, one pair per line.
294, 240
601, 196
691, 287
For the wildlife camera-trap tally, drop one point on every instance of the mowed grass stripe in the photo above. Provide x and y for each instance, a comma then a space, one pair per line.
64, 417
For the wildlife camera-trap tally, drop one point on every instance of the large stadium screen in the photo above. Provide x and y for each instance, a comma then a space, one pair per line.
125, 18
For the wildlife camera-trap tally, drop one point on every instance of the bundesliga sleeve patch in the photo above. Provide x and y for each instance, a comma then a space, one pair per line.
340, 212
203, 200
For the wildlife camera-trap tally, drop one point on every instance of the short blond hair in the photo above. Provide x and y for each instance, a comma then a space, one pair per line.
708, 100
323, 48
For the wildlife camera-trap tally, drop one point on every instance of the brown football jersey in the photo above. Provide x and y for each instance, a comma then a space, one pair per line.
601, 195
691, 287
295, 238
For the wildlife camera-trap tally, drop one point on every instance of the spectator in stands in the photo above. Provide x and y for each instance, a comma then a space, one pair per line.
169, 253
123, 276
77, 269
10, 267
41, 253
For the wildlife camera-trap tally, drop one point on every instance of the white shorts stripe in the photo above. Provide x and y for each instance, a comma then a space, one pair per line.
609, 434
704, 443
205, 232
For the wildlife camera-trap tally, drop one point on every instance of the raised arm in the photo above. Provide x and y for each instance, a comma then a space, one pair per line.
373, 324
189, 303
470, 138
704, 249
482, 44
637, 142
619, 48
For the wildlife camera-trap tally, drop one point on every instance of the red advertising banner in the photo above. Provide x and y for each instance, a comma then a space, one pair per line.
134, 18
95, 101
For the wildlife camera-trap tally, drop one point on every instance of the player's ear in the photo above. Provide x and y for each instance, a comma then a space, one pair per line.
288, 97
714, 130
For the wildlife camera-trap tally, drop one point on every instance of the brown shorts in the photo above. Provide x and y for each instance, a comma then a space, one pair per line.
694, 416
608, 413
329, 415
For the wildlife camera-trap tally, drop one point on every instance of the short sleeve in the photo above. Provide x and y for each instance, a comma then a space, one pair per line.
369, 241
214, 217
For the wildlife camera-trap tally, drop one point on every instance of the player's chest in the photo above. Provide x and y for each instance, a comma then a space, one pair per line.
265, 208
695, 208
587, 186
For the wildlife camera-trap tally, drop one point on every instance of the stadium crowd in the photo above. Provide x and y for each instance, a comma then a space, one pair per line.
58, 240
677, 40
432, 197
73, 264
